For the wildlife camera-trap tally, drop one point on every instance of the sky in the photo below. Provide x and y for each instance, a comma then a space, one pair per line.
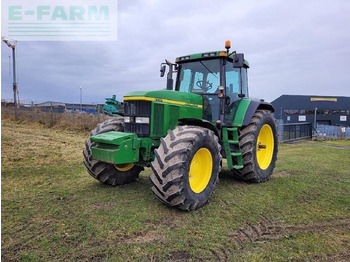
293, 47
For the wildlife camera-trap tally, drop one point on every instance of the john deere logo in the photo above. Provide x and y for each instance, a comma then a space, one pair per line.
60, 20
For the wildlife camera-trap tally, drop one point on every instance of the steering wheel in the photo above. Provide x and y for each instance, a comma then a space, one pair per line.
205, 87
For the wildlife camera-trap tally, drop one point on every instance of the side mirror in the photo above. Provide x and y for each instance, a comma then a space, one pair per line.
162, 70
238, 60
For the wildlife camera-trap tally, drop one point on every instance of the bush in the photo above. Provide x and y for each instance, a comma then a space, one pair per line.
67, 120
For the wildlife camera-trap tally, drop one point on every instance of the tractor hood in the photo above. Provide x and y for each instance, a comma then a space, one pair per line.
167, 96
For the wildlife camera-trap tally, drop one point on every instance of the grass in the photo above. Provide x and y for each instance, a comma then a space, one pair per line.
53, 210
335, 142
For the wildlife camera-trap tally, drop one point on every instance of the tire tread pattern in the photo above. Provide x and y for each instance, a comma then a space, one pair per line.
247, 142
169, 166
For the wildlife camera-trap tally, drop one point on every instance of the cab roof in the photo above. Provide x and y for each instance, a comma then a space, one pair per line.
206, 55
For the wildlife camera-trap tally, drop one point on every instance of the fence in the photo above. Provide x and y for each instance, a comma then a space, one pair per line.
325, 132
294, 131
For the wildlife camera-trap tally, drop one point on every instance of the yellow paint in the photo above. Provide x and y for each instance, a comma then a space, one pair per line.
144, 98
315, 99
124, 167
265, 147
200, 170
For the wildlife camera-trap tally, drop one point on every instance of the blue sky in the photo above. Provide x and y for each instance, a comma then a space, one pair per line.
293, 47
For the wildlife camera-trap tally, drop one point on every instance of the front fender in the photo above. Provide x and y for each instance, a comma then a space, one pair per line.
253, 106
201, 123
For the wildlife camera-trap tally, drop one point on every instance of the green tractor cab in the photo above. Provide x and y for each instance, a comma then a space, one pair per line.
183, 132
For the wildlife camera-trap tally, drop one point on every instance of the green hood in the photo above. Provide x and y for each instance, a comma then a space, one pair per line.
168, 95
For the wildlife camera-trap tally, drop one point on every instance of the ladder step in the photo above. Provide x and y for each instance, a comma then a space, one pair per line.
236, 154
232, 129
237, 167
233, 141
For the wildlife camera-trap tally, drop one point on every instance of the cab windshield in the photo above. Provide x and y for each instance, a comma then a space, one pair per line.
199, 77
203, 78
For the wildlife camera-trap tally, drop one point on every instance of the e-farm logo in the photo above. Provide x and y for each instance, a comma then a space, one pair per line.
60, 20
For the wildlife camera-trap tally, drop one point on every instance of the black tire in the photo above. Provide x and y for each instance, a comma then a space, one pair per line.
248, 137
172, 163
104, 172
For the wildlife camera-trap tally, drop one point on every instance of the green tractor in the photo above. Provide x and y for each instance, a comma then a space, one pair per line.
183, 132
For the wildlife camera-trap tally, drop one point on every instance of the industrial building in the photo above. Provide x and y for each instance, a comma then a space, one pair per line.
325, 110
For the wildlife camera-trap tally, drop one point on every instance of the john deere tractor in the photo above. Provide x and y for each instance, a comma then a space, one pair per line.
183, 132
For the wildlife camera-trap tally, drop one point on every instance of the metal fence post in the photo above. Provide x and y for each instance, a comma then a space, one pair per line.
280, 129
32, 108
51, 114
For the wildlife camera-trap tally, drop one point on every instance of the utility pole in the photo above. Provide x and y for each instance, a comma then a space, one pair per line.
13, 47
81, 99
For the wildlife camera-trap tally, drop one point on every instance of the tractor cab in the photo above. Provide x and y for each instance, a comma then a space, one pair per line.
219, 77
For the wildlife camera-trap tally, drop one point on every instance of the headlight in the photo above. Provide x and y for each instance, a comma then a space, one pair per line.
142, 120
126, 119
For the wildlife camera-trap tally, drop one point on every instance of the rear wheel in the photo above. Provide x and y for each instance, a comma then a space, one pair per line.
186, 167
109, 174
259, 145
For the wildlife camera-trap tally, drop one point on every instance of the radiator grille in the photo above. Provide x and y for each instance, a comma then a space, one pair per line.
158, 121
134, 109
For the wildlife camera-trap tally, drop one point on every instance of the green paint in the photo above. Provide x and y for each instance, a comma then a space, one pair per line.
205, 55
14, 13
231, 147
240, 113
112, 106
94, 14
115, 148
41, 11
59, 13
170, 95
121, 148
76, 12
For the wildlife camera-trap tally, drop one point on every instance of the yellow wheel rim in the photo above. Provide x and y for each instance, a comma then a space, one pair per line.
124, 167
265, 147
200, 170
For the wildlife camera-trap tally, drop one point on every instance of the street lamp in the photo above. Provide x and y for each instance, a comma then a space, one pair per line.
13, 47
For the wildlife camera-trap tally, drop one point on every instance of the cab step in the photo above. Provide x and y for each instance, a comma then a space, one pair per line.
233, 153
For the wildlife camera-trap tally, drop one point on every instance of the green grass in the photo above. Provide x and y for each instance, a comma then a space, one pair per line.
53, 210
335, 142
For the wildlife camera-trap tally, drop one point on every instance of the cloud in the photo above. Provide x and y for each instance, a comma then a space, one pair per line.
295, 47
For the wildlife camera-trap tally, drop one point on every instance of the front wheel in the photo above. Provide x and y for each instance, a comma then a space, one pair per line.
186, 167
113, 175
259, 145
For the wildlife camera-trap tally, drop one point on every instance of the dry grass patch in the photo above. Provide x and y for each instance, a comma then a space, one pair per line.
30, 145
